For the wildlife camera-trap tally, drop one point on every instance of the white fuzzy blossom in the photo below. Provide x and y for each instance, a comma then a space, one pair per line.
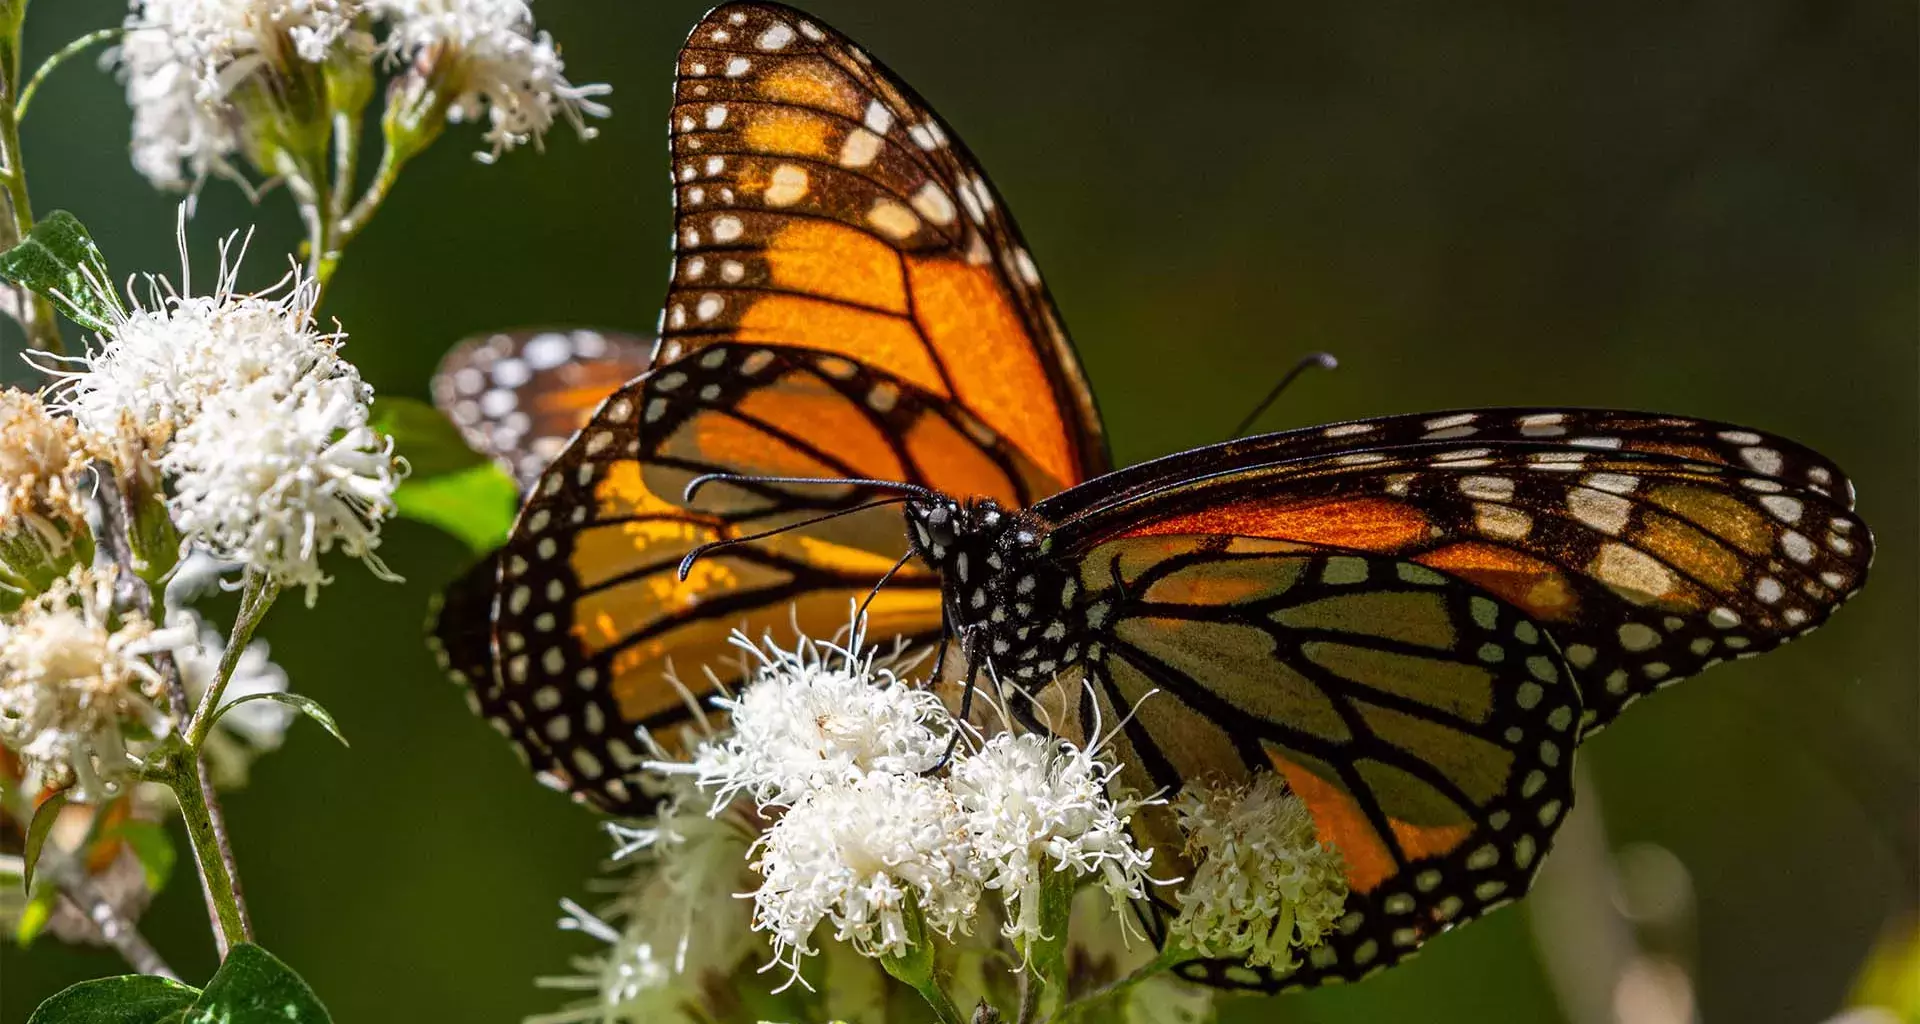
1265, 887
854, 854
815, 716
182, 61
1036, 807
77, 697
264, 427
676, 927
487, 59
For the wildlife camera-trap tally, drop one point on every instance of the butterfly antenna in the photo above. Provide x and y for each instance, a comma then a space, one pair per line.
1323, 360
686, 564
861, 615
897, 486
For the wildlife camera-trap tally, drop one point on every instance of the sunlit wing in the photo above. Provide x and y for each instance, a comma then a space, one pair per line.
1429, 728
516, 396
1651, 547
821, 204
596, 633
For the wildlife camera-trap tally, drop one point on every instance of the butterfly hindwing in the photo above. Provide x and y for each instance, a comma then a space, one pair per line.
1429, 728
516, 396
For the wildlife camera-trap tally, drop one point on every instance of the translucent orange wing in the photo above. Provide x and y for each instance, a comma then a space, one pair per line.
821, 204
595, 632
516, 396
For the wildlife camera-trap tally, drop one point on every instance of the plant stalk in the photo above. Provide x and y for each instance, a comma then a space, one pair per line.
35, 313
60, 57
115, 515
180, 769
256, 597
113, 927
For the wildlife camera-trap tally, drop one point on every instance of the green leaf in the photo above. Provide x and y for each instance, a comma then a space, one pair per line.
127, 999
299, 702
43, 818
152, 847
58, 260
36, 914
476, 505
254, 987
431, 445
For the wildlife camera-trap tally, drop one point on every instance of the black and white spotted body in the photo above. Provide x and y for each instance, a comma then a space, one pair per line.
1020, 616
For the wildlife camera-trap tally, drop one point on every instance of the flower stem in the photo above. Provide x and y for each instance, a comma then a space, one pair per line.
35, 313
255, 598
1043, 985
113, 927
60, 57
180, 769
1095, 1005
916, 967
416, 114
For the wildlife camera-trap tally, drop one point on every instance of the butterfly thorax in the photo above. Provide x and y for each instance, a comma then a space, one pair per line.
1013, 608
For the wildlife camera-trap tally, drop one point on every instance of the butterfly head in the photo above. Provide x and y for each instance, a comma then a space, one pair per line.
949, 534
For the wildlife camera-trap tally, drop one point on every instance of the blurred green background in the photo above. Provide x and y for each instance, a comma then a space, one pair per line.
1706, 207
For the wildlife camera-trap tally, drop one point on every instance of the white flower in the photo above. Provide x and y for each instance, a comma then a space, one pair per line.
1265, 886
183, 60
73, 683
854, 854
676, 926
264, 426
275, 478
484, 56
1034, 806
815, 716
163, 361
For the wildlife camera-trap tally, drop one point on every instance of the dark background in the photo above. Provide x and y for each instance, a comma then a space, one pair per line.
1706, 208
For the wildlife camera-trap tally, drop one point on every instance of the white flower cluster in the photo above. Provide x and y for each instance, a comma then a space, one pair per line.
867, 835
1266, 887
1035, 806
675, 928
266, 428
185, 61
488, 59
74, 680
816, 718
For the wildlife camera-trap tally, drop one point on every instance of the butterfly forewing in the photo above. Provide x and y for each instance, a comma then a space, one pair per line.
819, 203
1651, 547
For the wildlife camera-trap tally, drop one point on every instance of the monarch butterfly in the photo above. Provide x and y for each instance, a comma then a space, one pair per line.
1414, 620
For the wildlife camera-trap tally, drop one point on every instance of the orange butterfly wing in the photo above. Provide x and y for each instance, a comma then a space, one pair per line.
821, 204
849, 299
517, 396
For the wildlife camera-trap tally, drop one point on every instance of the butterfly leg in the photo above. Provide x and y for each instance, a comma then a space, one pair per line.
971, 673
